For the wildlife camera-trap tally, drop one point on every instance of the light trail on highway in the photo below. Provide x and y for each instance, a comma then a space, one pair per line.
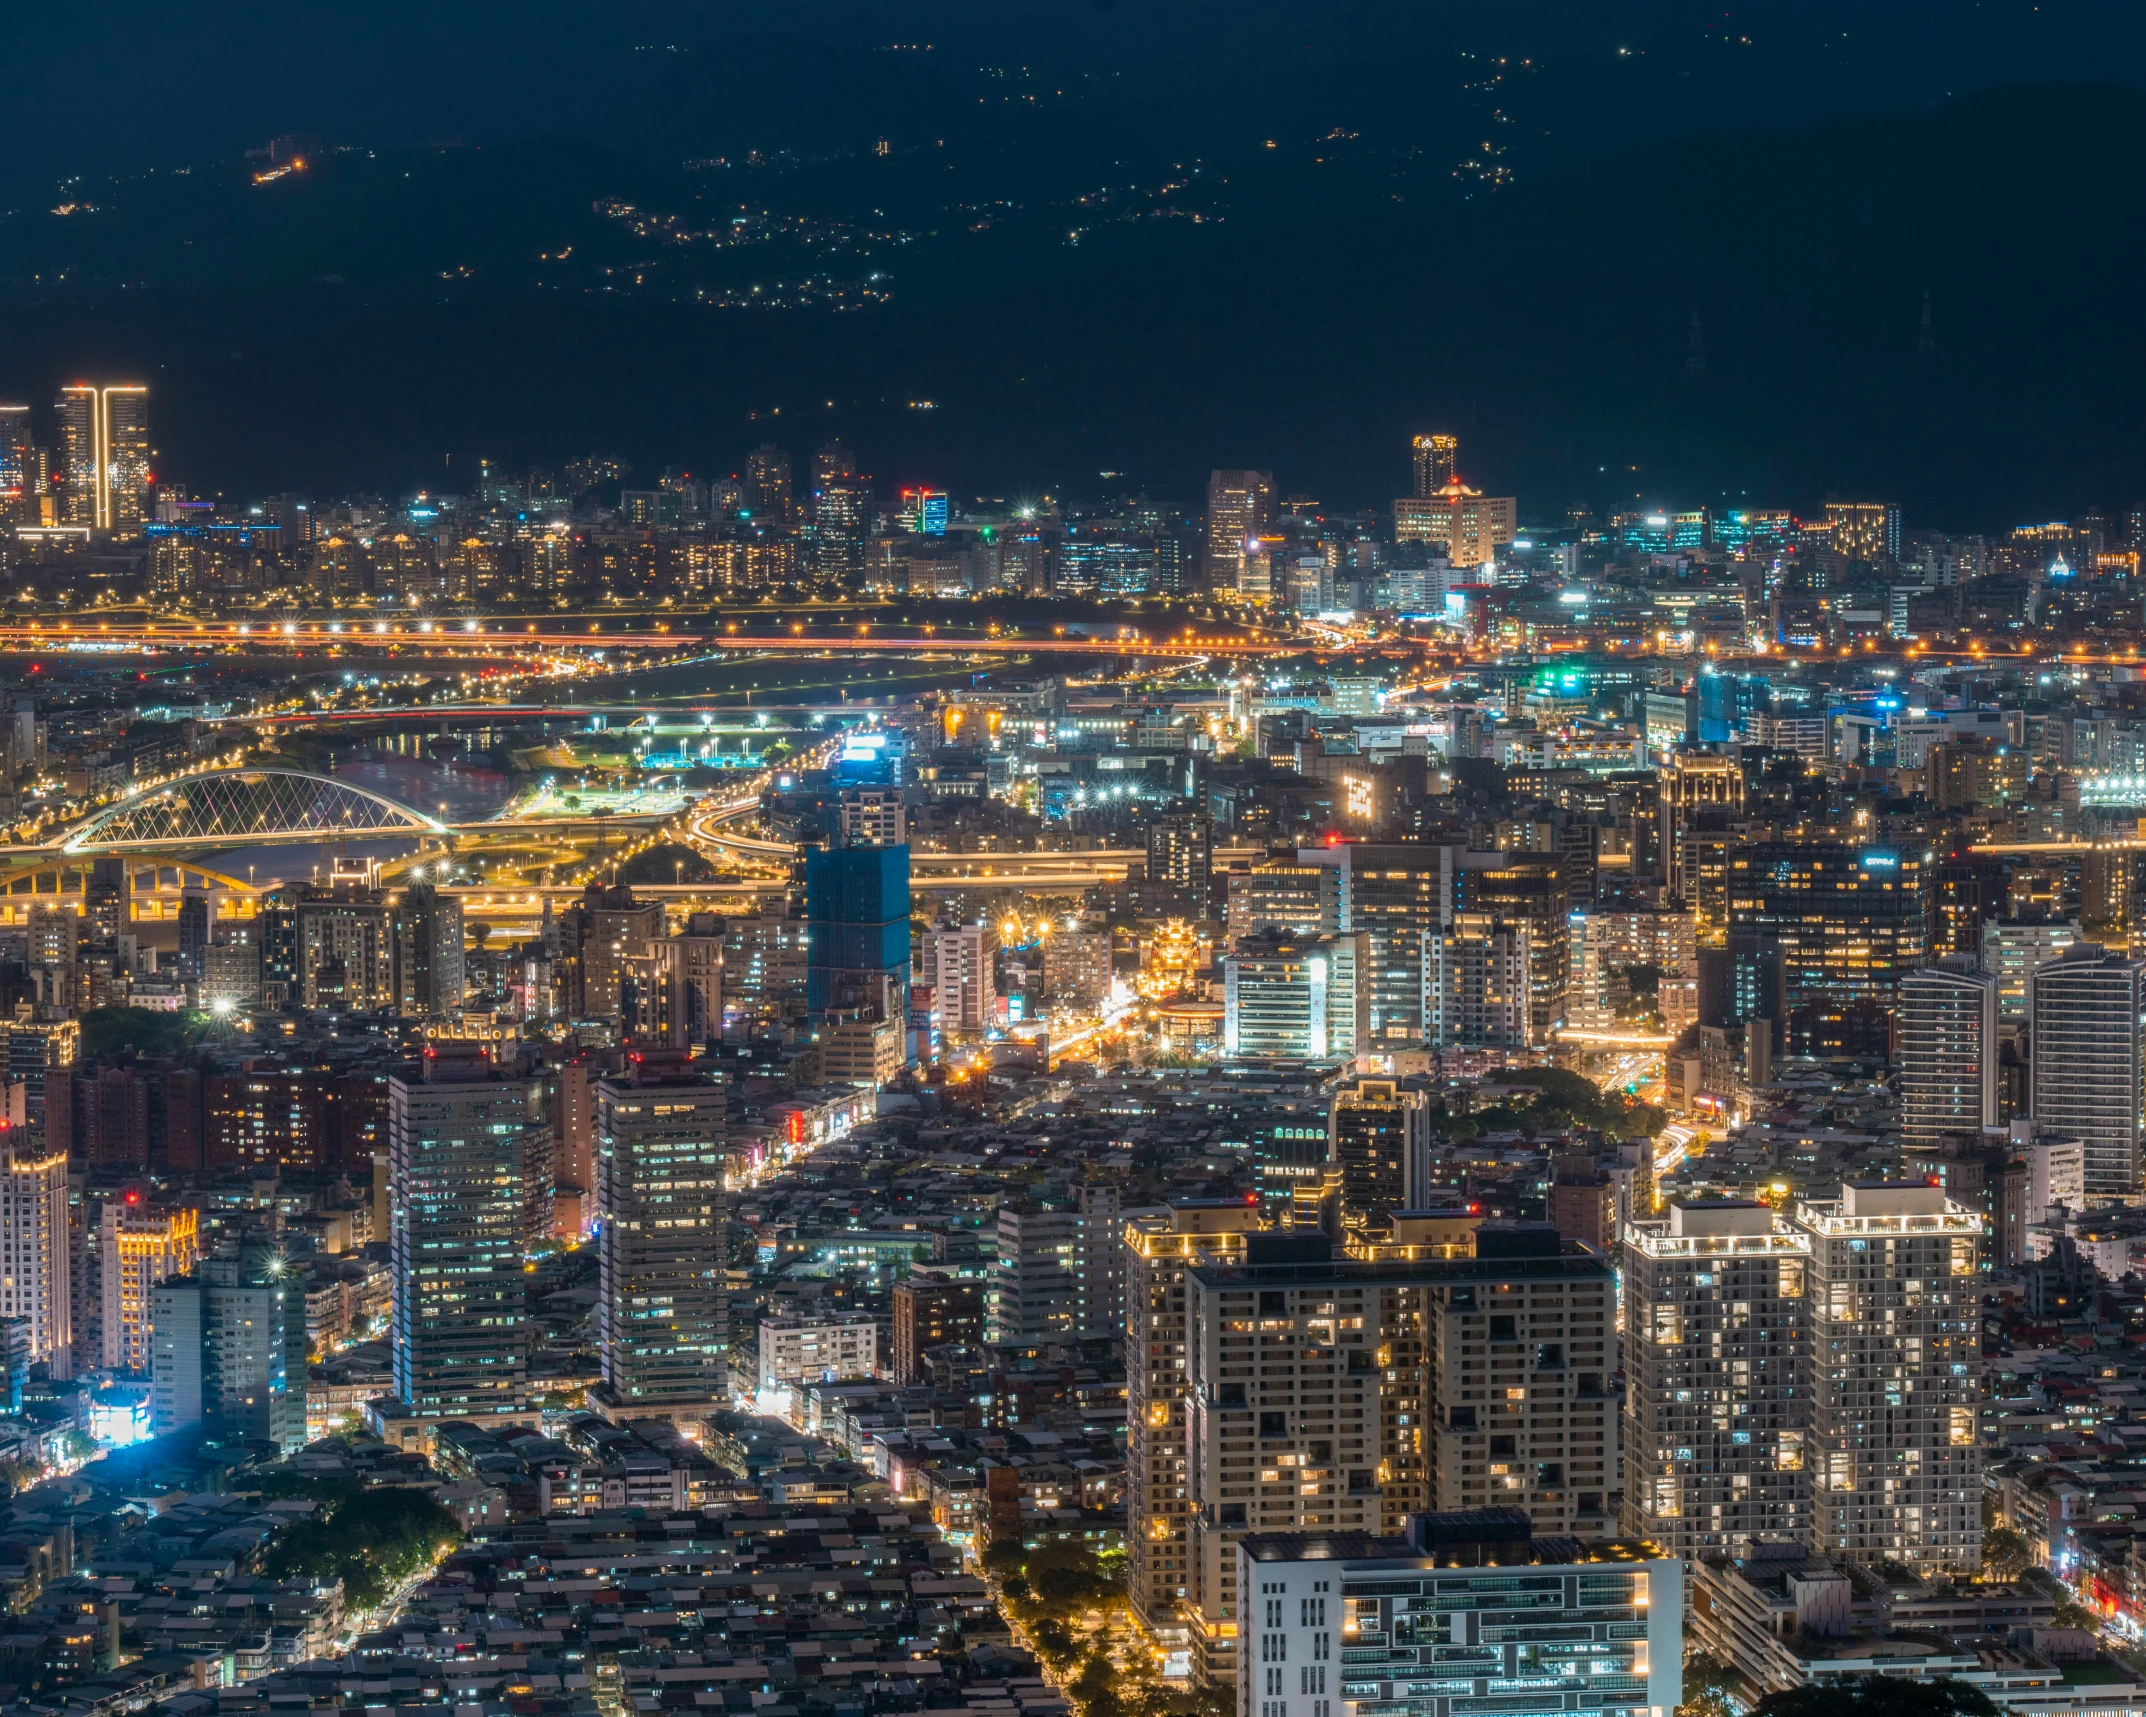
492, 636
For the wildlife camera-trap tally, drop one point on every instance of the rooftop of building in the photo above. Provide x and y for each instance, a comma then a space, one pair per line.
1503, 1250
1468, 1538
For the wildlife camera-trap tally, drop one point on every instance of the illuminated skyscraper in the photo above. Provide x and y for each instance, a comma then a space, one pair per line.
1850, 923
15, 473
459, 1141
104, 446
1865, 530
841, 521
2090, 1062
1181, 867
142, 1244
1894, 1458
1718, 1405
662, 1311
1296, 998
767, 484
831, 462
924, 512
1240, 509
1159, 1249
1436, 463
33, 1230
1948, 1055
1449, 1383
1375, 1130
857, 913
1473, 526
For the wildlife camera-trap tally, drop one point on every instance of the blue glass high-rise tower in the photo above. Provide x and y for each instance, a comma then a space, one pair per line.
857, 927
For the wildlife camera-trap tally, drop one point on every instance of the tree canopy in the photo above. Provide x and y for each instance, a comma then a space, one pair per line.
1879, 1696
662, 862
369, 1541
1564, 1099
148, 1031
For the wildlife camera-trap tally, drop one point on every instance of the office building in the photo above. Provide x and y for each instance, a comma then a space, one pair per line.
873, 817
1397, 895
2089, 1062
1336, 1396
1159, 1249
345, 950
1240, 510
858, 1048
767, 485
1180, 867
195, 916
1850, 923
841, 522
1531, 894
1436, 463
1606, 945
460, 1144
228, 1348
933, 1308
1301, 899
1378, 1138
796, 1353
1893, 1451
1948, 1055
923, 512
104, 450
960, 965
1476, 985
857, 923
429, 980
1690, 783
1077, 969
662, 1319
1036, 1281
36, 1278
611, 935
1865, 530
686, 1010
2013, 950
1295, 998
1425, 1609
1468, 525
18, 474
140, 1244
1716, 1395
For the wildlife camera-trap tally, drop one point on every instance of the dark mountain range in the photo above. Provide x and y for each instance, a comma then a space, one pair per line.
1154, 290
122, 86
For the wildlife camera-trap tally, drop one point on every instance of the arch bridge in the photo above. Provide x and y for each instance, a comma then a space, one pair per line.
155, 887
245, 807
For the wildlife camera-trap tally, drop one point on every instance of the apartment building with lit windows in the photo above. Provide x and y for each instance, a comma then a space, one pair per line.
1160, 1250
1336, 1395
1716, 1396
1895, 1363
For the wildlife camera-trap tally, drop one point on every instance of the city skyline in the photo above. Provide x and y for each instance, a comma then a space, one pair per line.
1101, 862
